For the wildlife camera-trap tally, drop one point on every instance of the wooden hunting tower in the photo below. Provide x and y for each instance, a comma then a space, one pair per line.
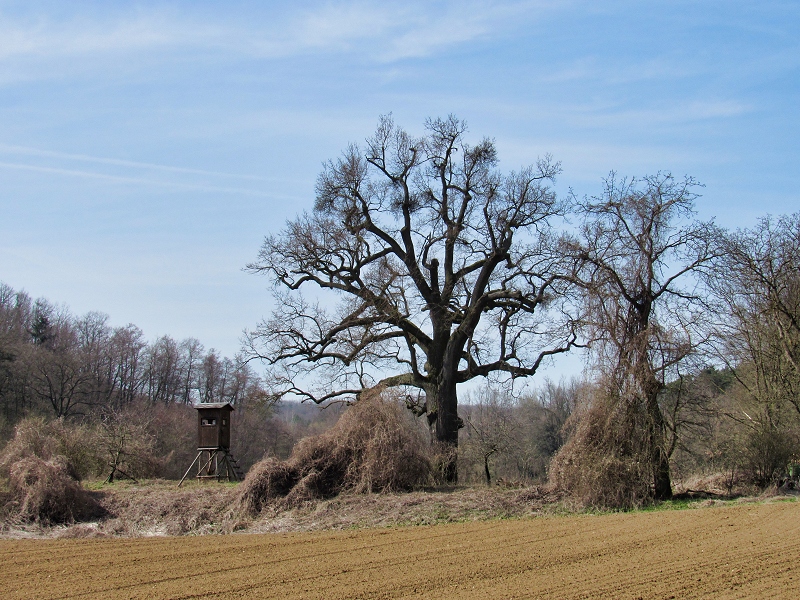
214, 426
214, 459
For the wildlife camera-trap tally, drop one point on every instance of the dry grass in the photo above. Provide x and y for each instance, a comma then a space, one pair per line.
431, 507
43, 491
161, 508
42, 466
730, 484
604, 463
145, 509
372, 448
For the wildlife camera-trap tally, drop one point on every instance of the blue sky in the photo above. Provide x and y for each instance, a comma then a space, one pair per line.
147, 148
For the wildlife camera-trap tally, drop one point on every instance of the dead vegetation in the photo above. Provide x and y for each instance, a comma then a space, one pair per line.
42, 491
157, 508
374, 447
431, 506
342, 478
160, 508
42, 466
603, 464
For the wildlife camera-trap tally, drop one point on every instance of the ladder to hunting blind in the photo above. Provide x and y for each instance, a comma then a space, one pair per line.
215, 463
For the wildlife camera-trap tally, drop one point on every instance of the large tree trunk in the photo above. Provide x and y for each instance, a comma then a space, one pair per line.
662, 480
662, 483
651, 387
446, 427
442, 400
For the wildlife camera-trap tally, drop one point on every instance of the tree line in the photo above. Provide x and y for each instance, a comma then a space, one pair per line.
58, 364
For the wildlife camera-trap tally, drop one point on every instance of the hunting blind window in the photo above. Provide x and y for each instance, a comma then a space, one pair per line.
211, 422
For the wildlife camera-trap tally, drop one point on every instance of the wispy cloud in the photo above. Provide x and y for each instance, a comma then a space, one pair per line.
395, 31
400, 30
657, 113
163, 183
626, 70
44, 38
27, 151
385, 32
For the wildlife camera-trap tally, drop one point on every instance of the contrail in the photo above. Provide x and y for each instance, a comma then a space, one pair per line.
140, 181
11, 149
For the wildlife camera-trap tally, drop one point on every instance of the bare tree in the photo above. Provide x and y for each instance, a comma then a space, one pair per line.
161, 371
127, 444
638, 248
757, 280
689, 408
214, 376
191, 352
436, 267
56, 362
512, 437
126, 350
492, 426
757, 283
15, 315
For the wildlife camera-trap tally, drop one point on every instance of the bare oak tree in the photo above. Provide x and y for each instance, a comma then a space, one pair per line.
426, 267
637, 248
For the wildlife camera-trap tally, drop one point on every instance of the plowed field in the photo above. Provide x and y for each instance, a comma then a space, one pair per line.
742, 551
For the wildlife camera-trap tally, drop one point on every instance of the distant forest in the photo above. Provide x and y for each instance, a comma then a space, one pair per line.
53, 362
113, 382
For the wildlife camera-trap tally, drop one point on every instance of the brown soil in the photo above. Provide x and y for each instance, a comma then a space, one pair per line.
733, 551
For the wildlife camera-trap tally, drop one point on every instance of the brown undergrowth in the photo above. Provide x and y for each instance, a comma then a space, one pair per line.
157, 508
160, 508
605, 463
374, 447
41, 468
422, 507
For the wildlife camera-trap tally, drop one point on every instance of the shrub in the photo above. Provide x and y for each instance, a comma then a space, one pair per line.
374, 447
260, 432
128, 446
35, 436
43, 491
603, 464
43, 464
171, 432
767, 452
268, 479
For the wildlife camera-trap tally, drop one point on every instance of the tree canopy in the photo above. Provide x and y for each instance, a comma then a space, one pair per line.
421, 265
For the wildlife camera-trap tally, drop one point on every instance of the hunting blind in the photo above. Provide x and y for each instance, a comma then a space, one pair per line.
214, 459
